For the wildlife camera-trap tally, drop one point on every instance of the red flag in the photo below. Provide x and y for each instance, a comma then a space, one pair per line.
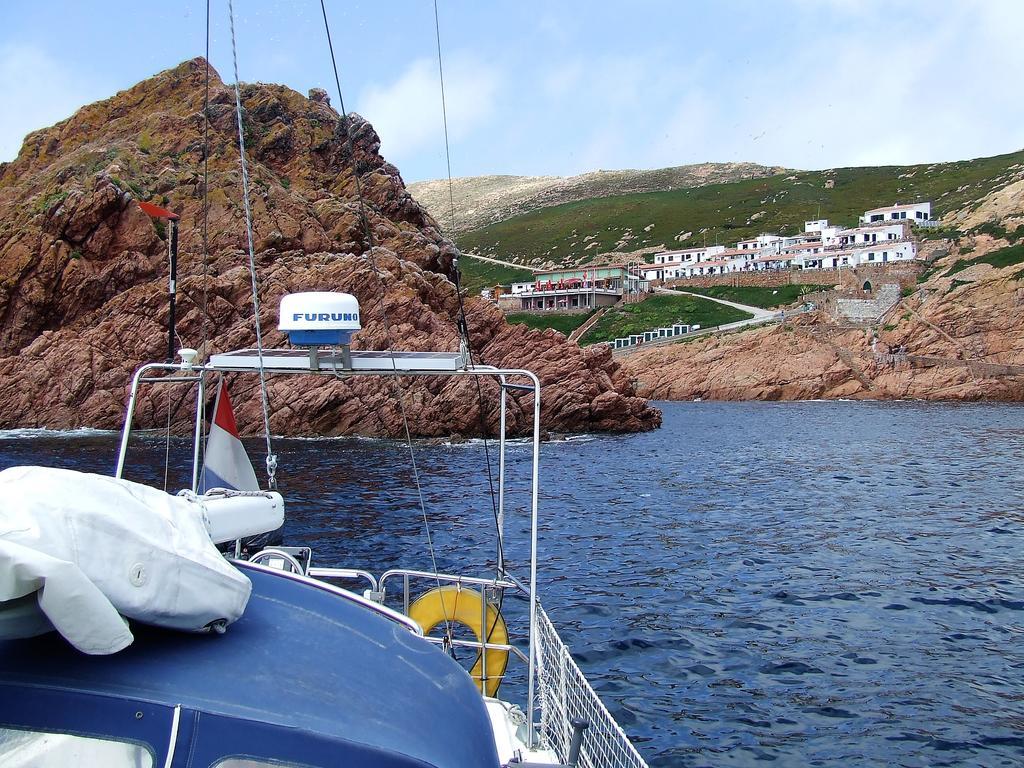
156, 211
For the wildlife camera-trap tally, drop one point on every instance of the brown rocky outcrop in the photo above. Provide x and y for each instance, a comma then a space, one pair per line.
83, 270
958, 337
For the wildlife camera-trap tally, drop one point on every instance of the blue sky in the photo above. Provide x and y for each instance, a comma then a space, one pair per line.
567, 86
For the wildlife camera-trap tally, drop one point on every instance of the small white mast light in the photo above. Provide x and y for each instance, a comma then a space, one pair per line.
320, 319
188, 357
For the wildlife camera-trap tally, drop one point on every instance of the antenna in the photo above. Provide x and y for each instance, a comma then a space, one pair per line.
156, 212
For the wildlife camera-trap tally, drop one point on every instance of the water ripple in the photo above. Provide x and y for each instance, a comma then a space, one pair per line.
807, 584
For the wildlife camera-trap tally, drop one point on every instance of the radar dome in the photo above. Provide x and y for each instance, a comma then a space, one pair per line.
319, 318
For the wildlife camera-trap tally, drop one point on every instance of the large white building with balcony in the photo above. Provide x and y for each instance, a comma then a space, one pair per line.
888, 232
915, 213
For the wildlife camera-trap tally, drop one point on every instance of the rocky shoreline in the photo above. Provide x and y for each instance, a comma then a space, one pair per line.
83, 272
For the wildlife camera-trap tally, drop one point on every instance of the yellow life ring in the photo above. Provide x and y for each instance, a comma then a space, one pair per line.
465, 606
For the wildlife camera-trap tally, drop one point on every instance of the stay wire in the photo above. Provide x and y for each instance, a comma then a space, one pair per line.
204, 314
463, 322
265, 398
444, 120
464, 332
396, 382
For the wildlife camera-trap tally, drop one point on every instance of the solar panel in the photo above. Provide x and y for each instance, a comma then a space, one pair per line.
297, 361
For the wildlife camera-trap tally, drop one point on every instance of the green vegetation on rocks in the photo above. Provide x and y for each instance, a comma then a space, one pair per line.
565, 322
756, 296
50, 201
659, 311
1004, 257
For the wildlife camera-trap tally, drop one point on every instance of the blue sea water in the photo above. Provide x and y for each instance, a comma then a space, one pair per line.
803, 583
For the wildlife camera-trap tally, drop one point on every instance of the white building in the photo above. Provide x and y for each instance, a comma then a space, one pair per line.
518, 288
703, 268
878, 253
914, 213
829, 233
687, 255
773, 261
666, 264
883, 253
888, 232
883, 237
803, 249
759, 242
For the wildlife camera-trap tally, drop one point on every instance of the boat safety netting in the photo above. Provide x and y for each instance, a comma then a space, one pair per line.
565, 695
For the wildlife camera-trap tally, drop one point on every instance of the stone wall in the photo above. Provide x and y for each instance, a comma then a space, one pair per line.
903, 273
868, 310
763, 279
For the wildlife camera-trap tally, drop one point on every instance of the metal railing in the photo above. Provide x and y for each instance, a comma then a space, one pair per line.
487, 587
566, 697
538, 666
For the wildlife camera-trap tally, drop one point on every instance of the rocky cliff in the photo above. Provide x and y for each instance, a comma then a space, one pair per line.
958, 336
83, 272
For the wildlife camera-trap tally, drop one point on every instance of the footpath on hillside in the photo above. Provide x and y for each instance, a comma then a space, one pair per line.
499, 262
760, 313
757, 316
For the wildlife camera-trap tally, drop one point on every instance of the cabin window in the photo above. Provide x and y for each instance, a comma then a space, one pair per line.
41, 749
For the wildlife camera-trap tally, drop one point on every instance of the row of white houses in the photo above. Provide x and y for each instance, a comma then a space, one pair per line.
884, 236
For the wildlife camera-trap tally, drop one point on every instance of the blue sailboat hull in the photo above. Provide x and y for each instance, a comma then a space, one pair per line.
304, 677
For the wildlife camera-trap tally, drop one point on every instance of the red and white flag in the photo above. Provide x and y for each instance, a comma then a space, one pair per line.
227, 465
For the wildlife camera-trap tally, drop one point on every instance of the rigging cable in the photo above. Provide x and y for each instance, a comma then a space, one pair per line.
264, 397
464, 332
462, 321
396, 382
204, 312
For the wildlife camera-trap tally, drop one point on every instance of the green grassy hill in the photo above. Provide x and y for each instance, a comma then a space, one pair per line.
477, 274
659, 311
566, 322
733, 211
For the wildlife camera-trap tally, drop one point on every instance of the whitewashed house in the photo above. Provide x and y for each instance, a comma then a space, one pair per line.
759, 242
884, 253
915, 213
773, 261
877, 253
889, 232
704, 268
687, 255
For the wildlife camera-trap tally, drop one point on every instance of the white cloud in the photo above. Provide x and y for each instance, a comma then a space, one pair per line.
882, 91
407, 112
36, 91
841, 82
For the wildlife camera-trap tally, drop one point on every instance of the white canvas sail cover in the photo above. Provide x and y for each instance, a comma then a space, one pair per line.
87, 549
